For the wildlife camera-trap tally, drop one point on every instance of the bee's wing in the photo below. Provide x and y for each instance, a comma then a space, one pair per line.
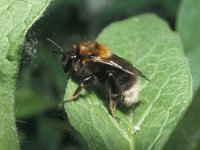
120, 63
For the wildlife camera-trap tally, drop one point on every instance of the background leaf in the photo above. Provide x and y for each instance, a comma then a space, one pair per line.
188, 26
187, 133
151, 46
15, 19
30, 103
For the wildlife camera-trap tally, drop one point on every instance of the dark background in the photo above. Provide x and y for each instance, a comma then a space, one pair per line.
41, 81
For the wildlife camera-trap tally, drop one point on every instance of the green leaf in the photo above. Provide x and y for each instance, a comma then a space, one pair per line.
15, 19
148, 43
187, 133
188, 26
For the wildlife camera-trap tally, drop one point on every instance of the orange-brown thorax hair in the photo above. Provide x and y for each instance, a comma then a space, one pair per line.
87, 49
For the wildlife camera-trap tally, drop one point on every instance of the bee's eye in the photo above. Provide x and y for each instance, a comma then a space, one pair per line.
73, 56
63, 58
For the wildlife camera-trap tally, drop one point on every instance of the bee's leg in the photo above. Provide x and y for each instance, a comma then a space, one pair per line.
82, 84
112, 106
115, 92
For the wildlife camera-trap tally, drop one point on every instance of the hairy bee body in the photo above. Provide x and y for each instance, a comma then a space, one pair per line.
91, 63
124, 83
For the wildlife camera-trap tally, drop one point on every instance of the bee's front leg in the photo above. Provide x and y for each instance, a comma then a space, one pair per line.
83, 83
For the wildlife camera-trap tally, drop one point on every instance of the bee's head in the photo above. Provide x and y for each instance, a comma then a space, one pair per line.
69, 60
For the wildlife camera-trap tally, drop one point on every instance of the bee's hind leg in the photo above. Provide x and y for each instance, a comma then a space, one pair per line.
115, 92
112, 106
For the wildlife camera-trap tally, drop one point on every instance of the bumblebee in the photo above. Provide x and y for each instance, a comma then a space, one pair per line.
92, 63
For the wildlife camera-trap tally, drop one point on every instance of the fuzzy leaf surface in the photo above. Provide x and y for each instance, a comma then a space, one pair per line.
15, 19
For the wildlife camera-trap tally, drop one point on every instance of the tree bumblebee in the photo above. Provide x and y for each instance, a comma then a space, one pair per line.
93, 64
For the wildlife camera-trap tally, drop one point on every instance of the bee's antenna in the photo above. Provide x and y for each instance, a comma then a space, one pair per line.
61, 50
57, 52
